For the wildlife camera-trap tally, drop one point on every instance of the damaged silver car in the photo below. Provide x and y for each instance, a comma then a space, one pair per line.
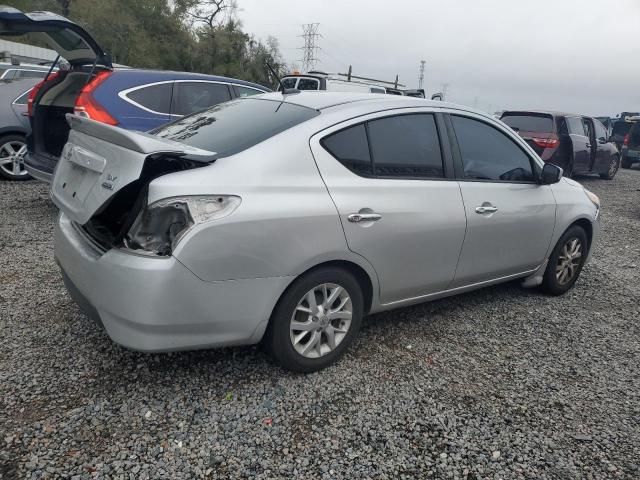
287, 218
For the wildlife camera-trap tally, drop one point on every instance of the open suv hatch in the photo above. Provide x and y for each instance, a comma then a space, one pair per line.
58, 94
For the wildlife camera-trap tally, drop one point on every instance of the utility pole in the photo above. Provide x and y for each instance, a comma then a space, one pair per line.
310, 50
445, 86
421, 76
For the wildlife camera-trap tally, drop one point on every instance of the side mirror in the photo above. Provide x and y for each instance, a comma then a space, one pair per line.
550, 174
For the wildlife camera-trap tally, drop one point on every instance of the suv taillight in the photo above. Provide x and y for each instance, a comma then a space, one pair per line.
88, 106
34, 92
626, 140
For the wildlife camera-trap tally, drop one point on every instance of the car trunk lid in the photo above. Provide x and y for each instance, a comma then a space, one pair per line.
70, 40
99, 160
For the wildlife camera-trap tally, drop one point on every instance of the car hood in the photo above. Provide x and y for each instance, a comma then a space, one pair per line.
70, 40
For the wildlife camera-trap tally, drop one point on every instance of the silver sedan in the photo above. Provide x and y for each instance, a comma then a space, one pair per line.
287, 219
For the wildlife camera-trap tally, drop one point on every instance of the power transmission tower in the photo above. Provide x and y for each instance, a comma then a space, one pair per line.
310, 50
421, 77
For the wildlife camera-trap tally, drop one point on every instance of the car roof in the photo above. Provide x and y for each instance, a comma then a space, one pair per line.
545, 112
159, 75
321, 100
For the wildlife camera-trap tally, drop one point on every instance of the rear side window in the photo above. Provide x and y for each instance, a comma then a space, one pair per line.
488, 154
234, 126
156, 98
406, 146
350, 148
529, 123
402, 146
288, 82
189, 97
576, 126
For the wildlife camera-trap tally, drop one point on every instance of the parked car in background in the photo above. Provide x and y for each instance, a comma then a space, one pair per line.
631, 144
362, 202
620, 127
14, 127
576, 143
133, 99
10, 71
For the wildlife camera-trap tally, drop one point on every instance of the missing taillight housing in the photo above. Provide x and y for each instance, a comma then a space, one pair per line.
34, 92
160, 226
86, 104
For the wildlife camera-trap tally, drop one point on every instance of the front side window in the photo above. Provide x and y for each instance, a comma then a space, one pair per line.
406, 146
156, 98
189, 97
288, 83
488, 154
234, 126
601, 132
576, 127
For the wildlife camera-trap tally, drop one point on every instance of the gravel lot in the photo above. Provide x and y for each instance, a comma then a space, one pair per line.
500, 383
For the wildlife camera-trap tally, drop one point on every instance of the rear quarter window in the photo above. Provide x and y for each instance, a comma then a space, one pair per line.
156, 98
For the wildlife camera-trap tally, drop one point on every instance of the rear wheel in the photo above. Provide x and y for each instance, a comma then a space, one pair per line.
614, 165
12, 151
626, 162
316, 320
566, 261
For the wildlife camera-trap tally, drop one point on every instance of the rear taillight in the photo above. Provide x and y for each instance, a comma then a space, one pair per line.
546, 142
87, 106
34, 92
626, 140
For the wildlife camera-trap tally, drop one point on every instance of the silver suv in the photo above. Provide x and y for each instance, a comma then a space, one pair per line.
286, 219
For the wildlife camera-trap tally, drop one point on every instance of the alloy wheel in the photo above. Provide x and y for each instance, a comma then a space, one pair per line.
569, 261
321, 320
12, 158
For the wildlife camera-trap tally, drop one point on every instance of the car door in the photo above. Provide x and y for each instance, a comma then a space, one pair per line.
510, 217
581, 144
589, 128
603, 148
400, 207
191, 96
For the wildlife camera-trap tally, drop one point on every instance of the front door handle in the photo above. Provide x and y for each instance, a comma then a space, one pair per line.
364, 217
486, 209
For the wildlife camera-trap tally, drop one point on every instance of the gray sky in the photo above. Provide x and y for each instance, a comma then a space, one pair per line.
576, 55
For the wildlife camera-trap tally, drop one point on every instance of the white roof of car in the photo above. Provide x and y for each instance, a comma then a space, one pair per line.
323, 99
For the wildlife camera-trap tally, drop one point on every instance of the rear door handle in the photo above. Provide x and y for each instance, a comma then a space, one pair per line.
364, 217
486, 209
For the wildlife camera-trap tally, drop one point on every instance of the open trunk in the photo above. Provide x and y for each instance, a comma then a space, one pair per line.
104, 171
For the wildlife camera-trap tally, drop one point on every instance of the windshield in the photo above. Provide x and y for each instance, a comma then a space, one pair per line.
529, 123
234, 126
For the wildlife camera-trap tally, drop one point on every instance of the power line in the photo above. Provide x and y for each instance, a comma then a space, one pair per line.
421, 76
310, 50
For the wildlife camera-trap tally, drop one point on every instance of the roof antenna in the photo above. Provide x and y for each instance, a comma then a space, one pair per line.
285, 91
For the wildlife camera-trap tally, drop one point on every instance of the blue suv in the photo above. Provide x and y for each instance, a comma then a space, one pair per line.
134, 99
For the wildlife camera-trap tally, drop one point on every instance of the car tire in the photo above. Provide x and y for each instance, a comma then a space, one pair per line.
566, 261
614, 165
11, 146
626, 162
299, 335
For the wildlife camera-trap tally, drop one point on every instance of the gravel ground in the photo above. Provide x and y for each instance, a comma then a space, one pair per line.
500, 383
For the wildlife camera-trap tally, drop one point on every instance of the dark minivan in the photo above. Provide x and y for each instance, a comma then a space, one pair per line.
576, 143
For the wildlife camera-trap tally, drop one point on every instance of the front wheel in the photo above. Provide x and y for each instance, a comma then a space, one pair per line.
12, 151
566, 261
316, 320
614, 165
